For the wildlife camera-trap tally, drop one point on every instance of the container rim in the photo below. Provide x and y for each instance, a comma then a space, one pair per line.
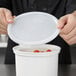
55, 50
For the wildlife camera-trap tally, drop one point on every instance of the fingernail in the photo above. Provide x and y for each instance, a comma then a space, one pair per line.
10, 21
14, 16
59, 26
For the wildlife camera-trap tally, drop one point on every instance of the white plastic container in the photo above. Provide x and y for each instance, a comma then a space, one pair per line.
31, 31
29, 63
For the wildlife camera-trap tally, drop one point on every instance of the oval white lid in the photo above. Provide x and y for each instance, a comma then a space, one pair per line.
33, 28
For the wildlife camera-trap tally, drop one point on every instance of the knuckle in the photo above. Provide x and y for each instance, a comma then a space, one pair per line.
2, 9
65, 38
8, 12
68, 42
2, 31
61, 18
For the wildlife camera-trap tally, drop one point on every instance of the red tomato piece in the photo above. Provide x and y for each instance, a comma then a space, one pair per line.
36, 51
48, 50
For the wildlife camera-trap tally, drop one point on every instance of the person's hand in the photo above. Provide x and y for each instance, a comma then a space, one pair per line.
5, 18
67, 25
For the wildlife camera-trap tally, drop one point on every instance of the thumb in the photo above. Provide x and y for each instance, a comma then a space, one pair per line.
62, 21
8, 16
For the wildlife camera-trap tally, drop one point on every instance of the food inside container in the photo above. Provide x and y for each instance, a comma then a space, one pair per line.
39, 50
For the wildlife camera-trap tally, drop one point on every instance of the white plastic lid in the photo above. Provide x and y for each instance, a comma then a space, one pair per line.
33, 28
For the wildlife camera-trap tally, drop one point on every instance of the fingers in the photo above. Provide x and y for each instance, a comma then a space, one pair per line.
5, 18
8, 16
68, 30
72, 40
62, 21
69, 37
71, 24
2, 18
2, 31
3, 22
